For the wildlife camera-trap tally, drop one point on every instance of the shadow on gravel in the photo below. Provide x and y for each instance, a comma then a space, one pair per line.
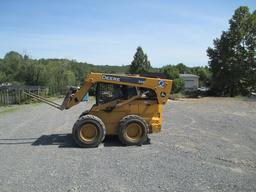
66, 141
18, 141
62, 140
112, 141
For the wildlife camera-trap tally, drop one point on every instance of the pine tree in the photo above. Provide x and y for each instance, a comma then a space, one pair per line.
140, 63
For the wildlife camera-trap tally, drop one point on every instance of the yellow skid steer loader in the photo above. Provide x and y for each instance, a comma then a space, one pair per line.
129, 106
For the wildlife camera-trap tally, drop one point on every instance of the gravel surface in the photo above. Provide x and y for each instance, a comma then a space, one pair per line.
206, 144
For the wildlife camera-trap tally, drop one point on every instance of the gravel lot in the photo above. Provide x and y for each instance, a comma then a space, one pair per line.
206, 144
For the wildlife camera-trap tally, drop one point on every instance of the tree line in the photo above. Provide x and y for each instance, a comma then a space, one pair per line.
58, 74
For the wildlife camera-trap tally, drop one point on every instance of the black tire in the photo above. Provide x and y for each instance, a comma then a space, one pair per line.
140, 136
84, 113
81, 129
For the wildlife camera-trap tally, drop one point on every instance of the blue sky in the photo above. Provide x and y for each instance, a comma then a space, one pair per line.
108, 31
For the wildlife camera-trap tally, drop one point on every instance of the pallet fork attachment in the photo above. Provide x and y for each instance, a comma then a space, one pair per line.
61, 107
47, 101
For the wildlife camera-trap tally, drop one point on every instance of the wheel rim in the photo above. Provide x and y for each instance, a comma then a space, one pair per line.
88, 132
133, 132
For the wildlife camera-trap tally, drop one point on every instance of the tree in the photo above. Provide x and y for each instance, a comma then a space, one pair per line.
140, 63
3, 77
204, 75
182, 68
178, 85
251, 45
11, 65
172, 72
232, 59
33, 73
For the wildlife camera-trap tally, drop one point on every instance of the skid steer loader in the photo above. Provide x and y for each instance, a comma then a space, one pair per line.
129, 106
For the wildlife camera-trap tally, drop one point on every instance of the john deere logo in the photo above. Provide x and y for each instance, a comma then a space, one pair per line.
124, 79
110, 78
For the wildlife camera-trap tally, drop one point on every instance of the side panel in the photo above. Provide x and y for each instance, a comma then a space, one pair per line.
111, 119
150, 110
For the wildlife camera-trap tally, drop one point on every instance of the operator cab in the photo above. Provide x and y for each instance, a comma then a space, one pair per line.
106, 92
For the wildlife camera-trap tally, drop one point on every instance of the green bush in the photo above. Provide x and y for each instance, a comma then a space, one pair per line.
178, 85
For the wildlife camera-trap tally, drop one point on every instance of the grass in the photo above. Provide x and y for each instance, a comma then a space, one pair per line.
8, 109
177, 96
240, 97
244, 98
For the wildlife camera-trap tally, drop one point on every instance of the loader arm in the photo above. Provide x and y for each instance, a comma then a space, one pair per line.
74, 97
